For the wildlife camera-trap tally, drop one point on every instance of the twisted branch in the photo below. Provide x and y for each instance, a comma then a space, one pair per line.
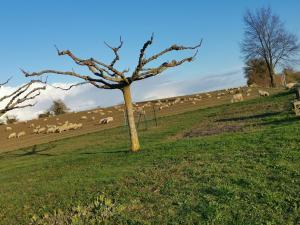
108, 77
21, 95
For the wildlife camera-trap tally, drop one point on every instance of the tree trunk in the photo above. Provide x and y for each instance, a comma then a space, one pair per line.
271, 73
135, 145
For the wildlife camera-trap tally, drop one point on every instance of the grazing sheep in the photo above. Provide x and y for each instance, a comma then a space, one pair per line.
237, 98
177, 100
83, 117
263, 93
20, 134
290, 85
39, 130
12, 135
163, 106
194, 103
62, 128
106, 120
51, 129
78, 125
8, 129
93, 118
31, 125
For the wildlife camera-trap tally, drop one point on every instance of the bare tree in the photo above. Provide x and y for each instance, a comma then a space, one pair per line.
21, 97
266, 37
107, 76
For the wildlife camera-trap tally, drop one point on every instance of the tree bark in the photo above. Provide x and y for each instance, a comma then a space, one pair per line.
271, 73
135, 145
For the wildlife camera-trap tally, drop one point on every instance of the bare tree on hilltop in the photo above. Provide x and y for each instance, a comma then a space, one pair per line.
21, 97
107, 76
266, 37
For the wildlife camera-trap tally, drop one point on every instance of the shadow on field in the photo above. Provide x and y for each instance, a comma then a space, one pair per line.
258, 116
105, 152
285, 121
36, 151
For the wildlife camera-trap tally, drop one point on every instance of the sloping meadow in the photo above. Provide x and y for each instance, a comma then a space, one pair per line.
232, 164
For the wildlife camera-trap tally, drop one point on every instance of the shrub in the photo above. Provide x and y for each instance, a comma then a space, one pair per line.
11, 119
58, 107
44, 115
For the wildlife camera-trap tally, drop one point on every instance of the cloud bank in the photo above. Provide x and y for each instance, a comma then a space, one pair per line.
87, 97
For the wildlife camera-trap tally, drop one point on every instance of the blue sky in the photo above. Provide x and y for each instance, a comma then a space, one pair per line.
29, 30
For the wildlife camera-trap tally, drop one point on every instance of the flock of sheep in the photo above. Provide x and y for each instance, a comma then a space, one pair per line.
51, 128
237, 95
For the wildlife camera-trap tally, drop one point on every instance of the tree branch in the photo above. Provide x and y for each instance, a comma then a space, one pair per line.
150, 72
115, 50
142, 61
21, 95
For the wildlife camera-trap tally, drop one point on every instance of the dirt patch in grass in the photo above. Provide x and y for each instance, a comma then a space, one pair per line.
214, 129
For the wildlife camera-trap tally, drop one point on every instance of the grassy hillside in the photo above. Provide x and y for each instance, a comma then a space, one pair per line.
231, 164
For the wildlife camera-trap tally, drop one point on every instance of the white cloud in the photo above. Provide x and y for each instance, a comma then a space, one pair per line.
86, 97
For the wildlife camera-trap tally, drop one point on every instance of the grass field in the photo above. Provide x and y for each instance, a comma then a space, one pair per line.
231, 164
90, 126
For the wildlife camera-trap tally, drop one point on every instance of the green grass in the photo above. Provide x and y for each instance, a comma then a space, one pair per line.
249, 176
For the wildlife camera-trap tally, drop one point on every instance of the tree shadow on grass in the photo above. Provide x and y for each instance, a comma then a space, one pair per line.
242, 118
35, 151
284, 121
105, 152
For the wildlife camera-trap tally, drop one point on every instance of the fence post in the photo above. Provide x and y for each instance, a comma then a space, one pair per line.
154, 113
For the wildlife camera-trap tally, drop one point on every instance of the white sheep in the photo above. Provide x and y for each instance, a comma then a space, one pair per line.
106, 120
237, 98
20, 134
41, 130
8, 129
51, 129
290, 85
83, 117
78, 125
263, 93
12, 135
